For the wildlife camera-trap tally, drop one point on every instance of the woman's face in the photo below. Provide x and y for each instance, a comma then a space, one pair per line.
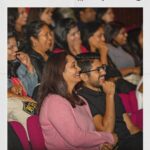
97, 38
71, 72
22, 17
73, 36
44, 40
12, 49
46, 16
108, 16
121, 37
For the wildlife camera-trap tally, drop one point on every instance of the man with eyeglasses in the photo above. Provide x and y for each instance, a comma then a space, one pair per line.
106, 107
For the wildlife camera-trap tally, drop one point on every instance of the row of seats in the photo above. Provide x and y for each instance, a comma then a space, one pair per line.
34, 132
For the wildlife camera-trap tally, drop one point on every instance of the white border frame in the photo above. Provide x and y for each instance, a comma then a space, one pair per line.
4, 4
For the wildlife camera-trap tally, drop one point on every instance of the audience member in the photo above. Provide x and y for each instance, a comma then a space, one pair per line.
116, 37
105, 14
108, 112
17, 17
73, 125
67, 37
39, 39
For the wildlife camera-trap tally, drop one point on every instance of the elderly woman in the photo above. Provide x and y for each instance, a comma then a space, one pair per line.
65, 117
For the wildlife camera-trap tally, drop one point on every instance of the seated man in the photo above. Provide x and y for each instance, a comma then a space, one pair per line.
106, 107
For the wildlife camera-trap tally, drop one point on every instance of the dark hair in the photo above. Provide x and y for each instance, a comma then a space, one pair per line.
34, 14
111, 31
53, 82
101, 12
61, 30
88, 31
133, 47
133, 41
85, 60
11, 31
12, 65
77, 12
32, 30
12, 16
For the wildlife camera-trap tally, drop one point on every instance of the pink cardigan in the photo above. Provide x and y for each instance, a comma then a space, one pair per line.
65, 127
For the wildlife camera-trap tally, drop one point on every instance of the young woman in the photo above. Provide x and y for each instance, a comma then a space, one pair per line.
116, 37
65, 117
43, 14
67, 37
20, 68
17, 17
38, 39
106, 14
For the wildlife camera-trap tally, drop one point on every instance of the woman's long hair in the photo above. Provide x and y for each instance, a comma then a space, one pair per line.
61, 31
53, 82
88, 31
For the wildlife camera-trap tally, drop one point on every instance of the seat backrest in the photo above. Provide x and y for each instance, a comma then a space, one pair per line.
21, 133
35, 133
126, 102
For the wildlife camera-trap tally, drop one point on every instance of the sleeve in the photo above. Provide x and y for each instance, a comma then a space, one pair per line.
65, 123
29, 80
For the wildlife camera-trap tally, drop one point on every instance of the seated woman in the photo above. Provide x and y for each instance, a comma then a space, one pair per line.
43, 14
67, 37
116, 37
106, 14
22, 79
65, 117
38, 38
17, 17
93, 38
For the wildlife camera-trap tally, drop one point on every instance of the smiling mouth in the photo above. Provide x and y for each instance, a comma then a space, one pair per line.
102, 77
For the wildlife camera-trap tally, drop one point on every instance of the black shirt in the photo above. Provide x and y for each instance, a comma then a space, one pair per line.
97, 104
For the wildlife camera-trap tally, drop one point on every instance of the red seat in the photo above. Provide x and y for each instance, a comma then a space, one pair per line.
35, 133
21, 133
130, 103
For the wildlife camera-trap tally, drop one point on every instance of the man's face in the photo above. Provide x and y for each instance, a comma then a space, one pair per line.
89, 14
95, 78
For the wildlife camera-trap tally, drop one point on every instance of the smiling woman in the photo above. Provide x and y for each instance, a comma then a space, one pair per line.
62, 112
39, 39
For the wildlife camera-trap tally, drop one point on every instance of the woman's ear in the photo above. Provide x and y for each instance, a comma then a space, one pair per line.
33, 41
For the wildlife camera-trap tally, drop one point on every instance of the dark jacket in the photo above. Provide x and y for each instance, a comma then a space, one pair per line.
38, 62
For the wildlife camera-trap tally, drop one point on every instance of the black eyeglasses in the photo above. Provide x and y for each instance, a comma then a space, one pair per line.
100, 68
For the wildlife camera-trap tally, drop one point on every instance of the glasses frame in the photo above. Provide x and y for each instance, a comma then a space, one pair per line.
103, 67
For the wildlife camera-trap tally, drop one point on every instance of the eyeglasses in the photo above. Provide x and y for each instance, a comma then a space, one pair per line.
100, 68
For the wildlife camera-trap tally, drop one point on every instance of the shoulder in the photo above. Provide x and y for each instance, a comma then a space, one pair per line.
55, 100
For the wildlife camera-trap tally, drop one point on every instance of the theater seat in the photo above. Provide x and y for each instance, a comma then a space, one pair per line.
130, 103
21, 133
35, 133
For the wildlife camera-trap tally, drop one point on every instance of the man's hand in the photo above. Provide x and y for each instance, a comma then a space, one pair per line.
108, 88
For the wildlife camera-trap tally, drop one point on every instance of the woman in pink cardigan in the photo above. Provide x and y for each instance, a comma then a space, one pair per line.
65, 117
